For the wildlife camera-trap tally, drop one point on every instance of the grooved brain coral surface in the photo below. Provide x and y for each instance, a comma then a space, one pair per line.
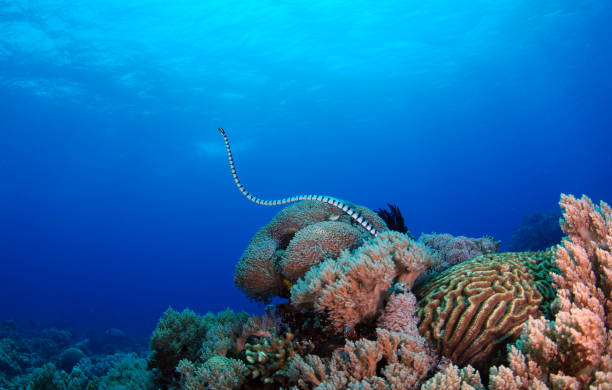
471, 310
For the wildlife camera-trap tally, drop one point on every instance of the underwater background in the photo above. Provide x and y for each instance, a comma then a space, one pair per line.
116, 199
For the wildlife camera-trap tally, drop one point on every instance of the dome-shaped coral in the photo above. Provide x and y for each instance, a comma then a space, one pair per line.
472, 309
297, 238
316, 242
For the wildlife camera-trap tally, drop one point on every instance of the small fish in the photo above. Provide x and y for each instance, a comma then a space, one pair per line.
334, 217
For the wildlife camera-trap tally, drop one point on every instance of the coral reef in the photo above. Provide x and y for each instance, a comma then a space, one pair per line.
191, 337
297, 238
314, 243
574, 350
217, 373
12, 362
393, 361
470, 310
31, 358
70, 357
453, 378
454, 250
177, 336
360, 315
352, 288
128, 373
268, 356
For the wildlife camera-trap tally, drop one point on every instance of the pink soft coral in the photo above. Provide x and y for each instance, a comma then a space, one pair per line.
353, 287
573, 351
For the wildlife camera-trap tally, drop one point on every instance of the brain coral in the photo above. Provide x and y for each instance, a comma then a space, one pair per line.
297, 237
471, 310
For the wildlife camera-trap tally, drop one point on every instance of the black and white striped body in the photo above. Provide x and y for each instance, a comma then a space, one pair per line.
325, 199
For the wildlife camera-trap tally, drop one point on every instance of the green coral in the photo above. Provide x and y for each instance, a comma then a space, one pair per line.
217, 373
177, 336
11, 361
187, 335
48, 377
225, 329
130, 373
540, 265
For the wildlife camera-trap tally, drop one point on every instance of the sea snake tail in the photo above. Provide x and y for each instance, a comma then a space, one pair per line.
325, 199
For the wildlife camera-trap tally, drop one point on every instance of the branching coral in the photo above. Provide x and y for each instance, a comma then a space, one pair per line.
453, 378
352, 288
393, 361
129, 373
177, 336
268, 356
186, 335
399, 314
575, 350
217, 373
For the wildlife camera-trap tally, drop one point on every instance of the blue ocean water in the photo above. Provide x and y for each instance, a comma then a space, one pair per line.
116, 199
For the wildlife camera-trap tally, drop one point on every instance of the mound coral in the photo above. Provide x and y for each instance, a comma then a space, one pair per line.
353, 288
297, 238
454, 250
573, 351
470, 310
314, 243
70, 357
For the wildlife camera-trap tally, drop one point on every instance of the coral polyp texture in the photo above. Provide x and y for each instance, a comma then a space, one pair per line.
454, 250
353, 288
297, 238
358, 317
470, 310
393, 361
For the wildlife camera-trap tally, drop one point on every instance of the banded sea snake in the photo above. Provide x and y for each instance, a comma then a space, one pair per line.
325, 199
